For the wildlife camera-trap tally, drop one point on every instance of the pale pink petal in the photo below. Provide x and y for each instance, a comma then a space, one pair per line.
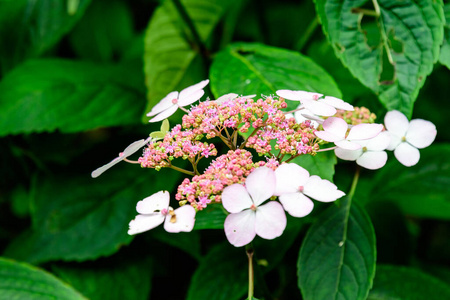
289, 177
407, 155
296, 204
134, 147
164, 104
183, 220
240, 227
290, 95
193, 89
372, 160
421, 133
350, 155
226, 97
304, 114
344, 144
319, 108
145, 222
328, 136
378, 143
322, 189
260, 184
364, 131
336, 126
396, 123
99, 171
270, 220
337, 103
189, 99
395, 141
155, 202
235, 198
164, 114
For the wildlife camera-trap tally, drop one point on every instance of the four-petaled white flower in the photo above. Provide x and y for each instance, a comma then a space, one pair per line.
407, 137
169, 104
311, 101
294, 186
248, 217
131, 149
155, 209
335, 131
371, 155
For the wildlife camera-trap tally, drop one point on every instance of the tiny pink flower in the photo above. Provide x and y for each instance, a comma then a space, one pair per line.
169, 104
335, 131
371, 155
407, 137
248, 217
155, 210
294, 185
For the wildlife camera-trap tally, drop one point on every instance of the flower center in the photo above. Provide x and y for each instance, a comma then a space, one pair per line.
301, 188
364, 149
174, 101
315, 97
253, 207
404, 139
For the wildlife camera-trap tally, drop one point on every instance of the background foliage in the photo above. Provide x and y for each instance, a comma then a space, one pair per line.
77, 78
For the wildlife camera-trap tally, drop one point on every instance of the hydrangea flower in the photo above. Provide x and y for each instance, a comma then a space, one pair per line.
248, 217
155, 209
335, 131
322, 107
131, 149
371, 155
169, 104
294, 186
407, 137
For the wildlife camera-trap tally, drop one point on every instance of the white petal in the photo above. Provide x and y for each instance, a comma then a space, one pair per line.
322, 189
164, 114
380, 142
344, 144
145, 222
260, 184
240, 227
396, 123
297, 204
99, 171
193, 89
189, 99
319, 108
336, 126
270, 220
345, 154
395, 141
289, 95
134, 147
337, 103
372, 160
328, 136
364, 131
289, 177
235, 198
407, 155
155, 202
183, 220
226, 97
421, 133
164, 104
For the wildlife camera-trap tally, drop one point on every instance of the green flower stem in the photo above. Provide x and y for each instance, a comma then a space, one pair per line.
364, 11
181, 170
251, 284
383, 33
354, 183
307, 34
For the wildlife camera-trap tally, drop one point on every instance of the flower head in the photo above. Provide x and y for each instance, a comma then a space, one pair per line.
408, 137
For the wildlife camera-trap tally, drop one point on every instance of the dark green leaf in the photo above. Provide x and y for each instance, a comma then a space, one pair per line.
410, 31
189, 242
337, 257
44, 95
322, 164
23, 281
444, 57
396, 282
28, 28
212, 217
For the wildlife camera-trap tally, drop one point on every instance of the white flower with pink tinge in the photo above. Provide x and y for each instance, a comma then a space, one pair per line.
169, 104
155, 209
311, 101
371, 155
295, 186
335, 131
248, 217
407, 137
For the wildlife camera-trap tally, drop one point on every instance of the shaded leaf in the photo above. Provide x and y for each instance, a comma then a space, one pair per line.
444, 57
212, 217
322, 164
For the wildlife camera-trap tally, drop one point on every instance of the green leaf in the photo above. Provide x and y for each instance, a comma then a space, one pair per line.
421, 190
28, 28
158, 135
170, 50
189, 242
337, 257
408, 42
397, 282
444, 57
212, 217
322, 164
81, 218
247, 68
44, 95
23, 281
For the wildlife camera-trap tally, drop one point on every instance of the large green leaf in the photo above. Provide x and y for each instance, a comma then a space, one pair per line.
397, 282
247, 68
409, 39
322, 164
422, 190
80, 218
444, 57
22, 282
170, 49
28, 28
44, 95
337, 257
212, 217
